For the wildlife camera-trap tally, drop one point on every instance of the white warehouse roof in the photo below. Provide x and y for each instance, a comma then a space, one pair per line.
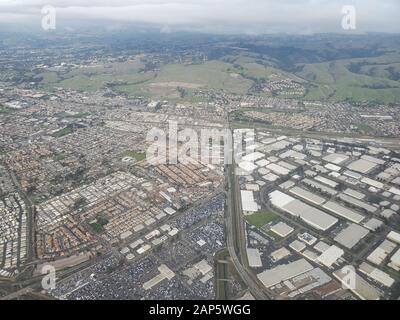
381, 252
248, 202
312, 216
282, 229
284, 272
330, 256
362, 288
376, 274
344, 212
351, 235
336, 158
254, 258
394, 236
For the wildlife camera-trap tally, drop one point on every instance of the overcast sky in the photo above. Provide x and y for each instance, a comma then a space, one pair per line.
247, 16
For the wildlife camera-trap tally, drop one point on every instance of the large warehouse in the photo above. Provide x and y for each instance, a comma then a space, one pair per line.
330, 256
351, 235
336, 158
249, 205
344, 212
362, 166
284, 272
312, 216
307, 195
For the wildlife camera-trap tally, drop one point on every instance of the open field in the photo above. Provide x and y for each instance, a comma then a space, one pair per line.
211, 75
335, 81
261, 218
78, 115
5, 110
138, 156
62, 132
353, 70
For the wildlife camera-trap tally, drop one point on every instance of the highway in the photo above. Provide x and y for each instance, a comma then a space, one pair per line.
388, 142
236, 240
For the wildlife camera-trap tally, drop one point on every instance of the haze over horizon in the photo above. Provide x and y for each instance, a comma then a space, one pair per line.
217, 16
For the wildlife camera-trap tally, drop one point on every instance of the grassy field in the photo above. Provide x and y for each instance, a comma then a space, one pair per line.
93, 78
5, 110
99, 81
212, 75
261, 218
98, 224
372, 79
78, 115
389, 70
334, 81
128, 78
253, 68
138, 156
375, 79
62, 132
59, 157
365, 128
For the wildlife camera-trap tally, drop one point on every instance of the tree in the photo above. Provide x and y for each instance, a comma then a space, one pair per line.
79, 203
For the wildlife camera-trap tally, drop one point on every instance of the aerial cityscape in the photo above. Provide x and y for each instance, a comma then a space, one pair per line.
157, 159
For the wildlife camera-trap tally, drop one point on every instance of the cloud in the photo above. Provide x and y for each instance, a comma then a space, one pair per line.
247, 16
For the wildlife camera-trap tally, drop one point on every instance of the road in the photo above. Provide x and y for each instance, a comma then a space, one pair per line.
15, 295
30, 217
388, 142
236, 240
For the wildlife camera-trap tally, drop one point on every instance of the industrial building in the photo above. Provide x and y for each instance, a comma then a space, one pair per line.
376, 274
330, 256
358, 286
381, 252
344, 212
284, 272
395, 261
336, 158
249, 205
312, 216
363, 166
351, 235
307, 195
254, 258
165, 273
394, 236
282, 229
